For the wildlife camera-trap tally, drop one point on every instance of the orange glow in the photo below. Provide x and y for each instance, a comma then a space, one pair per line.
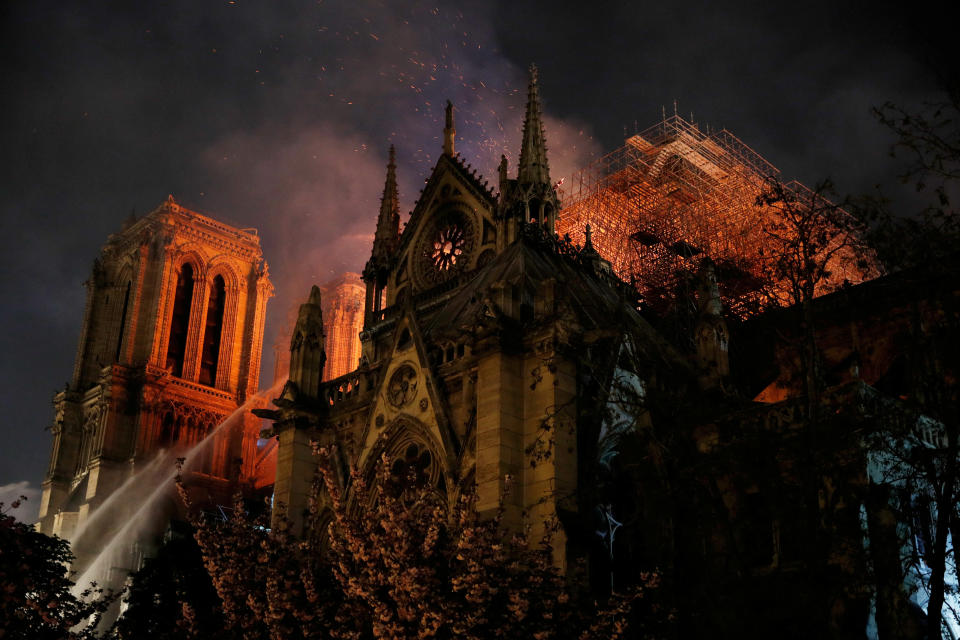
342, 304
674, 194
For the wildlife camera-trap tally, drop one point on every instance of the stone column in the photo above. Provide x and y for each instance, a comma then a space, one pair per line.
198, 321
499, 432
295, 469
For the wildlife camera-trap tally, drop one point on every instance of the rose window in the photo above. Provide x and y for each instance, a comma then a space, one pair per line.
444, 248
448, 245
402, 387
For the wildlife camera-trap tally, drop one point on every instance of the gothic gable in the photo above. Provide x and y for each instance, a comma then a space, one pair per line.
408, 394
451, 231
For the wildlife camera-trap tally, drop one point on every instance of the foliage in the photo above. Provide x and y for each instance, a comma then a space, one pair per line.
36, 599
390, 559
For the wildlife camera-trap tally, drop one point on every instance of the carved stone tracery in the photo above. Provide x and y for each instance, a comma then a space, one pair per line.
445, 247
402, 387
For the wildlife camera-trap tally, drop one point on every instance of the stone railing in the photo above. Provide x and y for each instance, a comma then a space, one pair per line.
346, 387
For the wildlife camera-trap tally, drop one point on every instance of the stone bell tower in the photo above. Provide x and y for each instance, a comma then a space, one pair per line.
170, 347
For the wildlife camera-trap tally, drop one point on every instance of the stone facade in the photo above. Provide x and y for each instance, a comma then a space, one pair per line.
170, 346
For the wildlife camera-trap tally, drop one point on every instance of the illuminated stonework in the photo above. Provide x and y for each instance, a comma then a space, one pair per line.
342, 323
170, 346
446, 248
342, 307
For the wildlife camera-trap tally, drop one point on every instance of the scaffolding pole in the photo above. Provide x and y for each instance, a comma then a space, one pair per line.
673, 195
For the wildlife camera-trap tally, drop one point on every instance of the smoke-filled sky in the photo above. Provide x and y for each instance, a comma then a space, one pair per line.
278, 115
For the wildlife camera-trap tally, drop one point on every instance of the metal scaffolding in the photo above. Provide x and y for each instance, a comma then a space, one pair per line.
672, 195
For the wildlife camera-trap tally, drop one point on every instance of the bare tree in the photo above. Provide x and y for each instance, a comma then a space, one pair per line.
924, 248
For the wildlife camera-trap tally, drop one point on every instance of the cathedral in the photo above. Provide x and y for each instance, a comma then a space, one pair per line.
342, 310
482, 332
764, 481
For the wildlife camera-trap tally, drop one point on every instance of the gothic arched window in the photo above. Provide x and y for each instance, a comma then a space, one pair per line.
123, 323
534, 207
414, 468
211, 335
180, 322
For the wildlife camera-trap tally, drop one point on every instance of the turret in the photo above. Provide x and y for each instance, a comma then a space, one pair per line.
307, 355
531, 197
502, 174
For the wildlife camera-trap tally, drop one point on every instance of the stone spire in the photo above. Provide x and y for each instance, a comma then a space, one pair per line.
531, 198
388, 223
533, 166
385, 242
307, 355
449, 131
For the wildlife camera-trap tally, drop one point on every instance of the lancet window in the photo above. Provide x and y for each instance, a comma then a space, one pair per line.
180, 322
210, 354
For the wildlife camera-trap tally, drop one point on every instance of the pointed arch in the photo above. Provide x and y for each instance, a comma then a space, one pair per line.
219, 333
213, 331
180, 318
409, 441
220, 266
125, 289
534, 211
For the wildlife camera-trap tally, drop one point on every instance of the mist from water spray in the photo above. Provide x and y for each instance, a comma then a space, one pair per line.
149, 489
134, 490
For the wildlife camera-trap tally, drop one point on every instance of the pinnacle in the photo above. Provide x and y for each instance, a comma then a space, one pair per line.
388, 222
314, 296
533, 167
390, 200
588, 243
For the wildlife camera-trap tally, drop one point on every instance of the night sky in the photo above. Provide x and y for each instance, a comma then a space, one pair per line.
278, 115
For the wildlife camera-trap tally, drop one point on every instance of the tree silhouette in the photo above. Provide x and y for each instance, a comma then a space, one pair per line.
36, 594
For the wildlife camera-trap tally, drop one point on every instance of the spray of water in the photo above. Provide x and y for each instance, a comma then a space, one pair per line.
138, 509
121, 502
